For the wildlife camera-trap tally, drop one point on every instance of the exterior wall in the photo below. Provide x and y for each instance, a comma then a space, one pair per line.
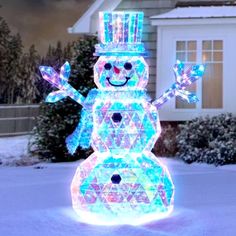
150, 8
17, 119
161, 48
167, 36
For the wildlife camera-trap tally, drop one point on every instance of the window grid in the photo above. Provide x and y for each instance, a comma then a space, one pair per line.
210, 52
186, 51
212, 83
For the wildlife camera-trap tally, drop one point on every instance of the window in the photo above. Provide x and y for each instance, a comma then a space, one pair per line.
186, 51
210, 53
212, 57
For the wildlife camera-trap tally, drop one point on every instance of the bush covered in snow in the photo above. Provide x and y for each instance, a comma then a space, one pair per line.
58, 120
210, 140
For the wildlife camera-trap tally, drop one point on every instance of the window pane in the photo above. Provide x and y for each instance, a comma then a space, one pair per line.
180, 45
207, 45
191, 56
181, 56
206, 56
180, 104
218, 44
218, 56
186, 51
212, 86
192, 46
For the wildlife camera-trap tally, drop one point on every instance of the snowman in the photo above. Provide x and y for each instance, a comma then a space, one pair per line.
122, 182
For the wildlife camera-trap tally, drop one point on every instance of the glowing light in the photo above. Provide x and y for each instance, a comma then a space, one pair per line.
60, 81
135, 77
122, 182
184, 77
82, 134
122, 27
144, 193
121, 33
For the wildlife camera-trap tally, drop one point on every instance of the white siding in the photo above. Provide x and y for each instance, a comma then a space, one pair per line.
167, 36
149, 38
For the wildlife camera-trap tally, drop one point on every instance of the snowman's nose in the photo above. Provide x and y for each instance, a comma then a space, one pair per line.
116, 70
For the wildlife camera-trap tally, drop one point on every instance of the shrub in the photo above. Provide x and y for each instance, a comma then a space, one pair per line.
58, 120
209, 140
166, 143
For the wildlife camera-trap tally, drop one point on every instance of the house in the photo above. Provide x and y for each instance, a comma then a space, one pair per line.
190, 31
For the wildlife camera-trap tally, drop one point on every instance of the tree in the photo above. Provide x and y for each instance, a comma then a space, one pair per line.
13, 67
58, 120
4, 46
82, 64
55, 57
27, 90
18, 71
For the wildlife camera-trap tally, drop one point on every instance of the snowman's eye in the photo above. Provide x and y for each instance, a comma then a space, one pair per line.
107, 66
128, 66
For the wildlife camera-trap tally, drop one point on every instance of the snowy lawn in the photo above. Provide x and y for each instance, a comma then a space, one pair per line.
35, 201
14, 151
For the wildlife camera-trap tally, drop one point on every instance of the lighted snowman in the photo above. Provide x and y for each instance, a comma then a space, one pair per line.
122, 182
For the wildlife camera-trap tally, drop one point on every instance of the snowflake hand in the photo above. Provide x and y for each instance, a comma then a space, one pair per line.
60, 81
183, 79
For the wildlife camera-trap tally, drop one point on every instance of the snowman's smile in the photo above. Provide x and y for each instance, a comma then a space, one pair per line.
118, 85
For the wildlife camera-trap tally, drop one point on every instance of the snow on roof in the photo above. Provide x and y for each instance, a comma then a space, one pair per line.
199, 12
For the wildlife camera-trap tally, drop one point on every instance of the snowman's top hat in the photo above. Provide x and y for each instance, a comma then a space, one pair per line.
121, 34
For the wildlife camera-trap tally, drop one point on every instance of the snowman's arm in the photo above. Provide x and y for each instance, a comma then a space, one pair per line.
60, 81
183, 79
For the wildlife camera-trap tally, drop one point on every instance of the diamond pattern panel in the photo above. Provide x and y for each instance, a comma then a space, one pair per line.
146, 186
138, 129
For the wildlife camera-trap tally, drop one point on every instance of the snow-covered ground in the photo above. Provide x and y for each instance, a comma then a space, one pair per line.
35, 201
14, 151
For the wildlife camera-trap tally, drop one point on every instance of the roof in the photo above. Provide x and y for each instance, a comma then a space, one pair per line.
84, 24
197, 3
199, 12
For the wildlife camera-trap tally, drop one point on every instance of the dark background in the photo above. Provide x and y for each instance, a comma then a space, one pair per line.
43, 22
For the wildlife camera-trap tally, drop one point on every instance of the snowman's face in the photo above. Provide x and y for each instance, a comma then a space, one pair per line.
121, 72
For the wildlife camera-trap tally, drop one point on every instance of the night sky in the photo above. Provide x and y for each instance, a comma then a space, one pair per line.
43, 22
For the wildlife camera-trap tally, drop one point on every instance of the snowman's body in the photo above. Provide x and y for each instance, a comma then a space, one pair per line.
122, 182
